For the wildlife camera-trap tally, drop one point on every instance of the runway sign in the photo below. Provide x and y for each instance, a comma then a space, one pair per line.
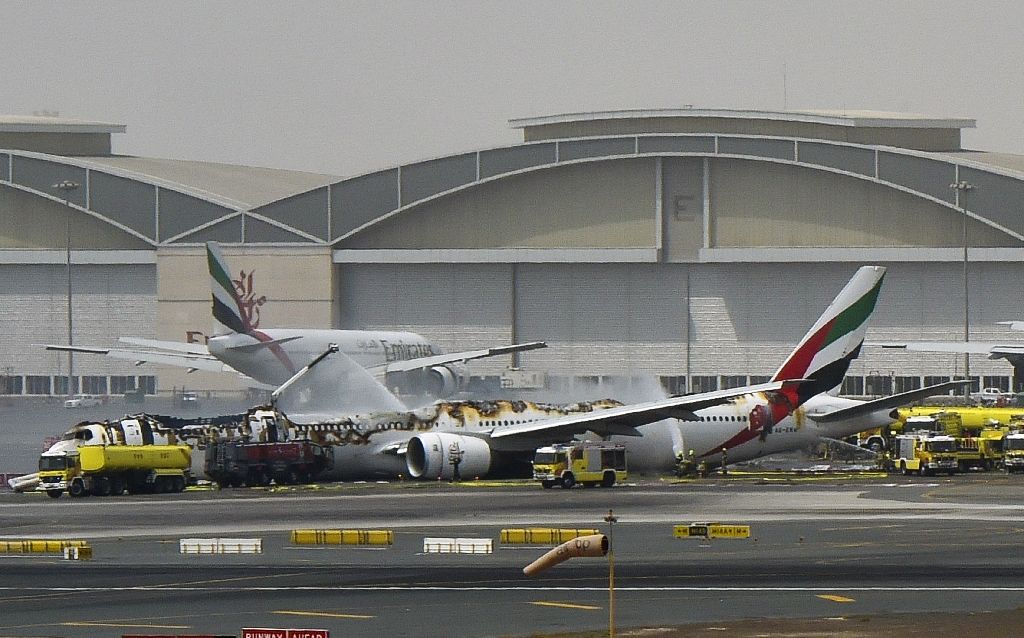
711, 530
284, 633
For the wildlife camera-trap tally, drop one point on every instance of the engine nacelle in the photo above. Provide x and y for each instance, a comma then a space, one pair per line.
430, 456
443, 381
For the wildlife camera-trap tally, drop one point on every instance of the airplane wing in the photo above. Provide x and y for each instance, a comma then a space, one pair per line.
625, 419
993, 350
191, 358
889, 402
173, 346
454, 357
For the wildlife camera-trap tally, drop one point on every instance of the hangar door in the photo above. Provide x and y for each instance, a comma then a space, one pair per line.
108, 301
604, 319
456, 306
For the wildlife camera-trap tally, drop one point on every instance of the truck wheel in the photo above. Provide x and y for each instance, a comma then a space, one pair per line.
101, 486
568, 481
116, 486
179, 484
903, 468
545, 484
77, 489
54, 493
608, 479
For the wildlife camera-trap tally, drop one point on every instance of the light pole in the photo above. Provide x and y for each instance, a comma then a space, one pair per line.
67, 187
611, 519
960, 189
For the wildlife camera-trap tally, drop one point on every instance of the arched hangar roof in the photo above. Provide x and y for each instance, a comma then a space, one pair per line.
166, 202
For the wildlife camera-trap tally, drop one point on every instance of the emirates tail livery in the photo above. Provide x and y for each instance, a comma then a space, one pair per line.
274, 355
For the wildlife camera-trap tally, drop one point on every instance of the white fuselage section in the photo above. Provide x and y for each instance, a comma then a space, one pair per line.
276, 363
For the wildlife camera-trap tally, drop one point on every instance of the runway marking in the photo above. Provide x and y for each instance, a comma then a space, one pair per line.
323, 614
861, 527
836, 599
110, 624
542, 603
604, 588
227, 580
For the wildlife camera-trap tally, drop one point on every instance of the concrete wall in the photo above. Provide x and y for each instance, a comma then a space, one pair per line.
82, 144
594, 205
28, 221
764, 204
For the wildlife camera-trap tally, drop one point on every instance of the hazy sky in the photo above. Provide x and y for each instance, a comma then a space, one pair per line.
349, 87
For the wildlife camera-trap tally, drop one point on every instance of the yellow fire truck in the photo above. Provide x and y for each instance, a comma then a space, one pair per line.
925, 453
1013, 452
589, 463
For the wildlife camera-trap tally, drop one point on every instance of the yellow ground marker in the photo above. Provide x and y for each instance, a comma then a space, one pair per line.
322, 614
542, 603
836, 599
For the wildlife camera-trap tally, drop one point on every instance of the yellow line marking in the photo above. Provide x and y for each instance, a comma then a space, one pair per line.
110, 624
322, 614
566, 605
836, 599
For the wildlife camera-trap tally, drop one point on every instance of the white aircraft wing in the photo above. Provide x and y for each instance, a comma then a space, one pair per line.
887, 403
993, 350
173, 346
453, 357
625, 419
192, 360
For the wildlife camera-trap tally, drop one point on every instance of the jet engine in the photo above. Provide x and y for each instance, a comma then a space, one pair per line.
440, 381
432, 456
443, 381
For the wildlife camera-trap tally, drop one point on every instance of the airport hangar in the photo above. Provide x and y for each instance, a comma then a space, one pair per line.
692, 245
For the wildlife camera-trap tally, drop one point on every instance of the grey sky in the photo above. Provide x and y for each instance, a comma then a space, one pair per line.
349, 87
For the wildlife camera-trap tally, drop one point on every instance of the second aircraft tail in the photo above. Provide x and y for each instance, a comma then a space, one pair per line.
228, 315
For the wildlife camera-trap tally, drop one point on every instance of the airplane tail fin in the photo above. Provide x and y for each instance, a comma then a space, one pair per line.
826, 351
228, 315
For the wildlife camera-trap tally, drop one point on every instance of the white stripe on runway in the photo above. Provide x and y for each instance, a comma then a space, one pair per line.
147, 588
